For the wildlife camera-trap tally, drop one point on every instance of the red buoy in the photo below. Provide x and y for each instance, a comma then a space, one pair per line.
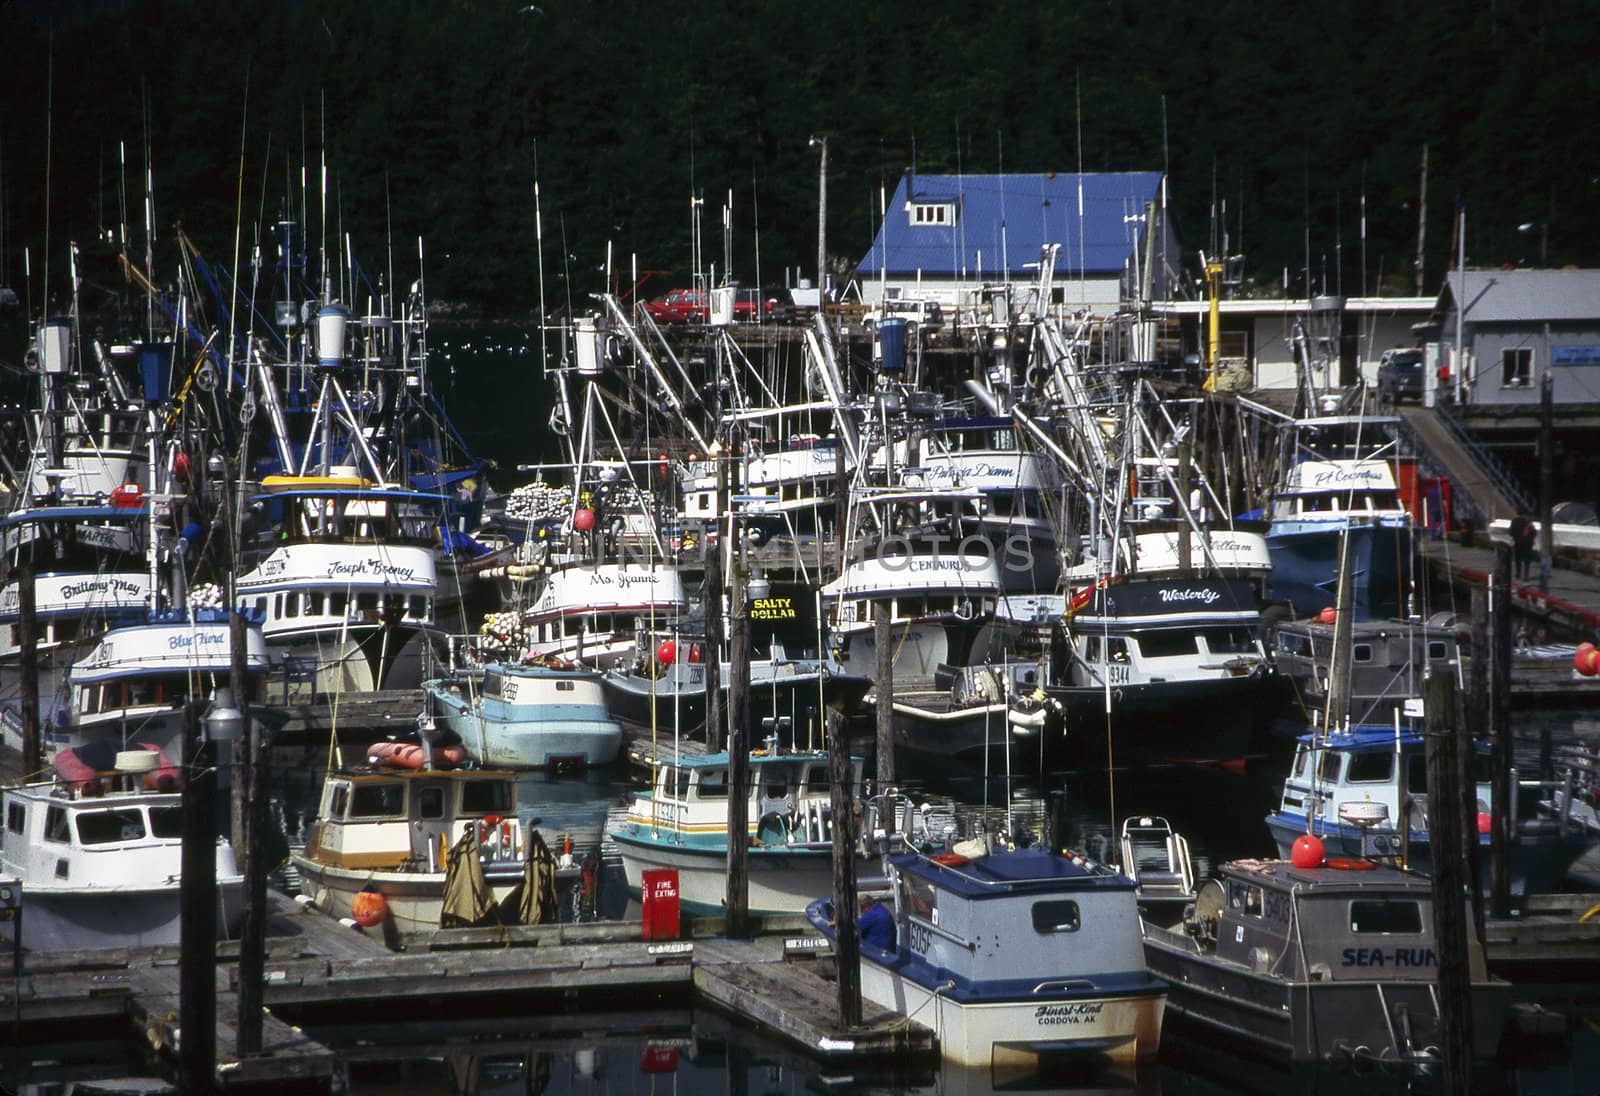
667, 652
1584, 659
1307, 852
1328, 615
583, 520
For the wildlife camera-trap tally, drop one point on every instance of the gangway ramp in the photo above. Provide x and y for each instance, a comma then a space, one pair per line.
1441, 448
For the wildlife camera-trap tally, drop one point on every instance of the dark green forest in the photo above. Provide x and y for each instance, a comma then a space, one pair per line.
435, 118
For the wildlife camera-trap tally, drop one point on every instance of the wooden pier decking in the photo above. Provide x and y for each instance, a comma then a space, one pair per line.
1570, 607
319, 970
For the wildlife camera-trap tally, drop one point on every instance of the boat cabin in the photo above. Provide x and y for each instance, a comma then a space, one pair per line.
790, 801
1343, 921
399, 820
56, 835
1387, 661
999, 920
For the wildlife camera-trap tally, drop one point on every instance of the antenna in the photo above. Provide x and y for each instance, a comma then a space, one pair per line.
238, 231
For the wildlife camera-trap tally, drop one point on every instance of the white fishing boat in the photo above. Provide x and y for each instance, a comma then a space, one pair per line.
348, 585
681, 823
392, 830
135, 681
1013, 956
98, 852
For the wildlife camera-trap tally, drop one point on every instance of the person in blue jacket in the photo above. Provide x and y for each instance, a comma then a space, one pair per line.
876, 923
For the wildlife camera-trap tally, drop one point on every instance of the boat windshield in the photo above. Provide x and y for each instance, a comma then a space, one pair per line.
166, 822
486, 797
105, 827
1385, 916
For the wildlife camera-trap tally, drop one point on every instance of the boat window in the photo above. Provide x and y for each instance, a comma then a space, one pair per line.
337, 604
377, 800
166, 822
1361, 652
367, 603
1294, 644
565, 686
1116, 649
55, 825
920, 898
1370, 767
1332, 764
318, 603
1233, 641
292, 605
818, 779
419, 607
277, 606
430, 802
1246, 898
487, 797
261, 607
1165, 644
16, 817
1300, 756
492, 680
714, 784
1091, 649
1385, 915
104, 827
1436, 650
1055, 917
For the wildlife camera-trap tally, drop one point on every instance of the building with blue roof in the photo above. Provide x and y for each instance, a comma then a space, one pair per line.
946, 236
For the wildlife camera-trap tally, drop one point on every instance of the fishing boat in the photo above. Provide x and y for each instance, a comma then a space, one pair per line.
527, 715
1340, 482
394, 830
345, 582
1332, 963
135, 681
1363, 791
1013, 954
1129, 654
99, 853
681, 822
1387, 661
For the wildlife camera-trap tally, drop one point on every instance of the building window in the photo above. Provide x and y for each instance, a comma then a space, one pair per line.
1518, 367
932, 213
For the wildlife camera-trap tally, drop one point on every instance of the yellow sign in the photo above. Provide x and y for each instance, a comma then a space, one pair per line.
772, 608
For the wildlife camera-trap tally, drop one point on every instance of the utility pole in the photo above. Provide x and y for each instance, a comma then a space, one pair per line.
197, 886
738, 895
847, 939
253, 933
1449, 890
822, 220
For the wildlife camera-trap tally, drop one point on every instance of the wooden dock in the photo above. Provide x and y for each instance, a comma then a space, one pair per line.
320, 971
1569, 609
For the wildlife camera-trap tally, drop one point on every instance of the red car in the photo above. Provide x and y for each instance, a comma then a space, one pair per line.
694, 306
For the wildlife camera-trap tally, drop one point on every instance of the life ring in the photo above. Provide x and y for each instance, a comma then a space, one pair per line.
1348, 863
951, 859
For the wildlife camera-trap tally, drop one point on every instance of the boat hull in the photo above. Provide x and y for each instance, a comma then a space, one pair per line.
415, 899
116, 918
530, 736
781, 881
1305, 566
1005, 1034
1217, 720
1279, 1018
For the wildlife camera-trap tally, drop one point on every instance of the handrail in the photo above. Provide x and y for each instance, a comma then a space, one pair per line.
1487, 462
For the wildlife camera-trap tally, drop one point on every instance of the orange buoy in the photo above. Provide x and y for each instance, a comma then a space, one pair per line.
951, 858
369, 908
1349, 863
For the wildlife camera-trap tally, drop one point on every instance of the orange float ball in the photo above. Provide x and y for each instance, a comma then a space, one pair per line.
368, 908
583, 520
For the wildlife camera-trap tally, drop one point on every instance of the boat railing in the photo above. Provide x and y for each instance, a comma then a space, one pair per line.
1157, 859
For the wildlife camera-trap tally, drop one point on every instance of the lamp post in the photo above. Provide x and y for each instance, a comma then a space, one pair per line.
822, 218
1544, 238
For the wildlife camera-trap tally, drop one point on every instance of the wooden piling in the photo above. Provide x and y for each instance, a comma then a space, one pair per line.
197, 961
1500, 735
1449, 887
847, 941
714, 618
253, 932
738, 752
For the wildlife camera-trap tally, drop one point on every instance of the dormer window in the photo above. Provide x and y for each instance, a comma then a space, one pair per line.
932, 213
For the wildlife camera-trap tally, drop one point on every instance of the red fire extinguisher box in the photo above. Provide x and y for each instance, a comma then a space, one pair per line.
658, 893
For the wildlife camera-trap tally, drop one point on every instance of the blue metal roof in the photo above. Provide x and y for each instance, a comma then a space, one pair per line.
1001, 222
